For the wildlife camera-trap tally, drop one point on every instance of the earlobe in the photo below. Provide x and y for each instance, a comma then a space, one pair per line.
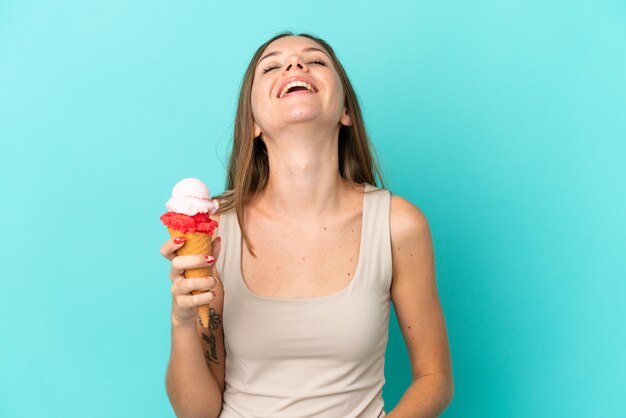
257, 131
345, 118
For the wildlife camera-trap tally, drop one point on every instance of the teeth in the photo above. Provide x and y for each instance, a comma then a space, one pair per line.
296, 83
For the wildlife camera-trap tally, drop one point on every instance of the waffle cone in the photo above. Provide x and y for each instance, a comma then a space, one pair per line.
196, 243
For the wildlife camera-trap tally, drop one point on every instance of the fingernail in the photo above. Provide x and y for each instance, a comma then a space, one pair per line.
210, 259
179, 240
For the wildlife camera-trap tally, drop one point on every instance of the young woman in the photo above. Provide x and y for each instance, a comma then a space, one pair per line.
310, 253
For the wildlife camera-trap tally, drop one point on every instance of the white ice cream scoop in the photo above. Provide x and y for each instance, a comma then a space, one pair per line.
191, 196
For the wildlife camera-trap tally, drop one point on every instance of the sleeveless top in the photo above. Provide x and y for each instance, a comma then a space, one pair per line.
309, 357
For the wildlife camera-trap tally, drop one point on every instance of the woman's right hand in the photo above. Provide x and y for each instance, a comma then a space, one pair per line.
184, 304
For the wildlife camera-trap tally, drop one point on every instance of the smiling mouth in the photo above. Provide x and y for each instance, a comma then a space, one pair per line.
297, 87
297, 91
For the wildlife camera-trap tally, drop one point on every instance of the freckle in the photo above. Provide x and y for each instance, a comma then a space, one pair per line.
324, 228
348, 274
411, 254
409, 327
353, 230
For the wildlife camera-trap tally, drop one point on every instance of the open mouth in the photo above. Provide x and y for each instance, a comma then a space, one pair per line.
297, 87
297, 90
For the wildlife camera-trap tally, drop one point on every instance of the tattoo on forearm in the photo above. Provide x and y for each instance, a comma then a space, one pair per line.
215, 321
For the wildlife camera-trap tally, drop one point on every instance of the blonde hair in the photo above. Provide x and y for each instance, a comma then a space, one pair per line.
248, 166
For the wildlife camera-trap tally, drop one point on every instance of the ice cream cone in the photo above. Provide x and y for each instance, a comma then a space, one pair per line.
196, 243
188, 216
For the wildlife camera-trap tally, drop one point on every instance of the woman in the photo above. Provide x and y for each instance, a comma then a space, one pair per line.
305, 302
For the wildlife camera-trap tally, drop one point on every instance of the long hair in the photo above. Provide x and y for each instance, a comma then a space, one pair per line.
248, 166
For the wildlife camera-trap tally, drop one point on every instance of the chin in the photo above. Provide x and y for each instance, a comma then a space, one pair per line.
303, 116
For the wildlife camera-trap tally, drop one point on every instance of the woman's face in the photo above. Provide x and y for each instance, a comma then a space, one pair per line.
289, 57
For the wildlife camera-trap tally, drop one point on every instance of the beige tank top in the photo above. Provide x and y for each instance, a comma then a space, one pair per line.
309, 357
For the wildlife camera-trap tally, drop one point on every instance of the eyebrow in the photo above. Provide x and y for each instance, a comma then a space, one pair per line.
309, 49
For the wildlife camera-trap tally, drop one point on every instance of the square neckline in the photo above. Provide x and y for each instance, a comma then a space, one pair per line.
357, 272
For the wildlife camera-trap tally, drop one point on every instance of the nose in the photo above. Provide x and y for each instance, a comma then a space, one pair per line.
295, 60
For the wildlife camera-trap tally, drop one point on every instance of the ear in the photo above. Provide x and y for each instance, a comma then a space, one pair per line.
257, 130
345, 118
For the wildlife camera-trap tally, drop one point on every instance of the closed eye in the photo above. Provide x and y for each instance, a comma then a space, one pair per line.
271, 67
315, 61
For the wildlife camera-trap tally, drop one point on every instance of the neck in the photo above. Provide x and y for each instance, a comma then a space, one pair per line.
304, 181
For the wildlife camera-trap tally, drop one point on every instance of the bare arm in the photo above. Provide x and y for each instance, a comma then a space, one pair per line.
419, 313
193, 389
212, 339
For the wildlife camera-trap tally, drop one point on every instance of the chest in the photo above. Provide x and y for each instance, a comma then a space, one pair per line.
302, 260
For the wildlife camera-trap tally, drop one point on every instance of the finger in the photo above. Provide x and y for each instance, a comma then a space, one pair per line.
200, 284
168, 250
182, 286
216, 247
187, 262
202, 298
175, 274
193, 301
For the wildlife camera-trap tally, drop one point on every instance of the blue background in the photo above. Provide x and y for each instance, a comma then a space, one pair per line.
502, 120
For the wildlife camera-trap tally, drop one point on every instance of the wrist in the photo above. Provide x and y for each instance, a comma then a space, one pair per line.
183, 324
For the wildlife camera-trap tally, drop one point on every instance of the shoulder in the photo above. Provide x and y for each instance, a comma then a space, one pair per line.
407, 221
411, 242
410, 236
226, 204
